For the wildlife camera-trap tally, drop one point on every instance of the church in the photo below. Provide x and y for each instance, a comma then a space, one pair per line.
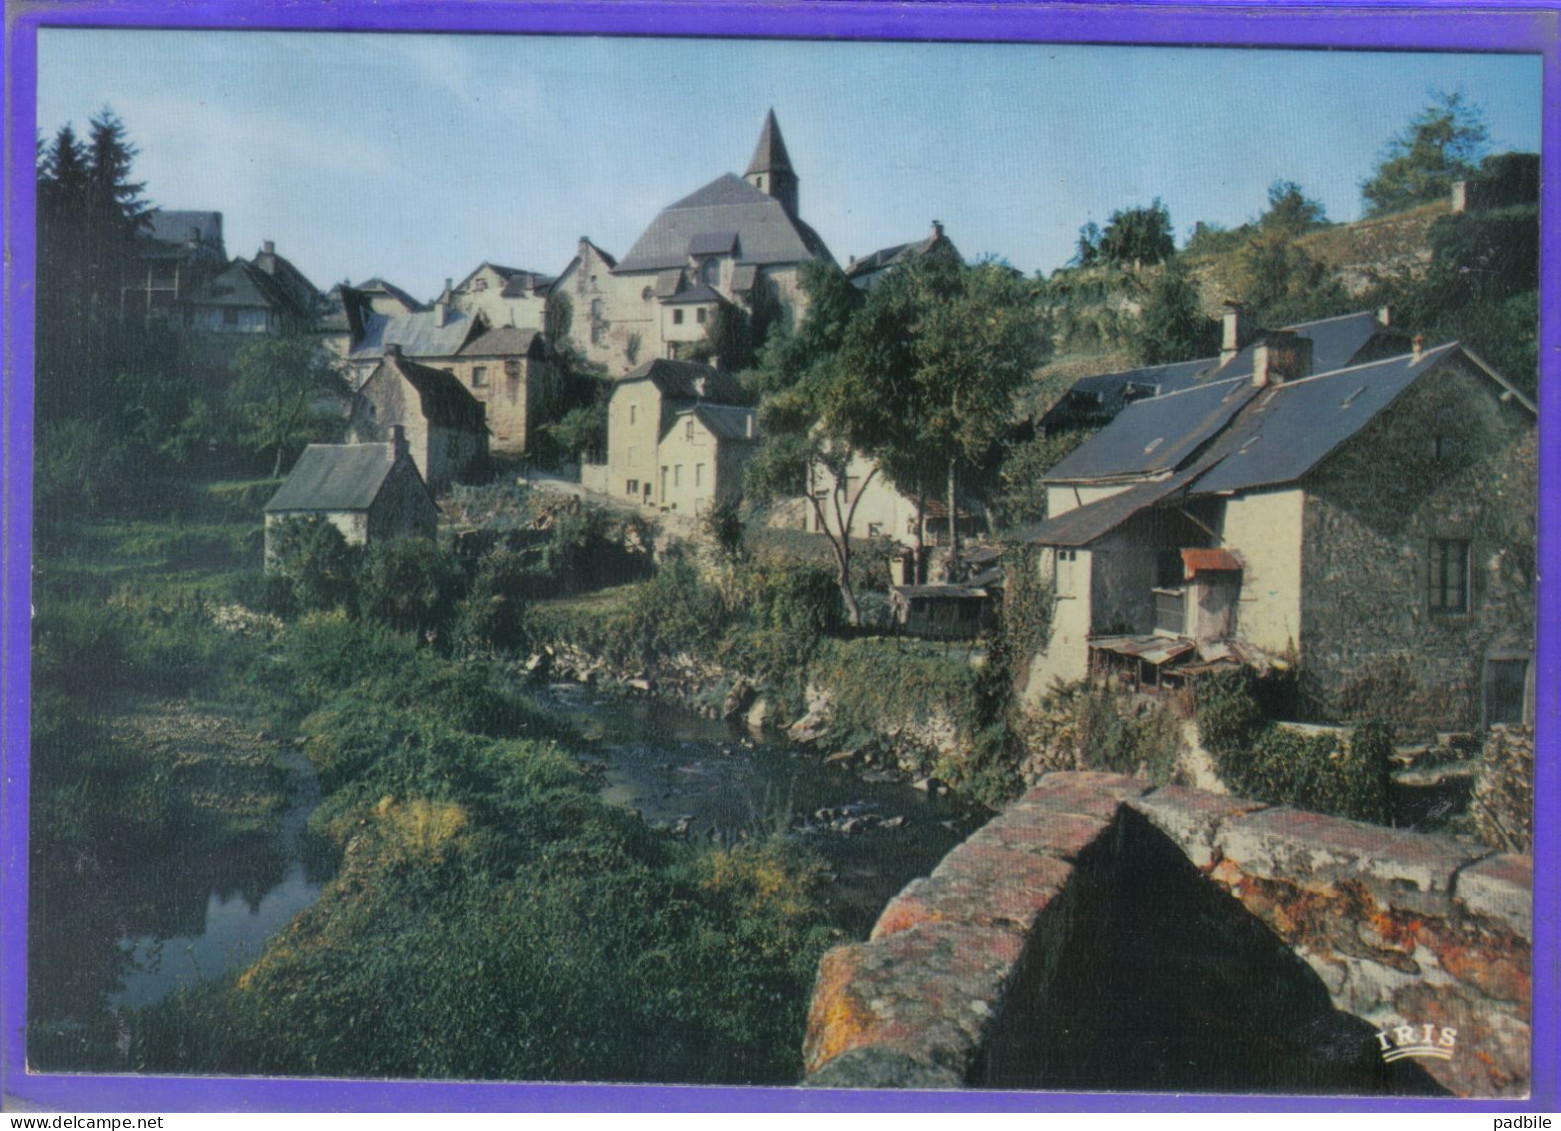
737, 243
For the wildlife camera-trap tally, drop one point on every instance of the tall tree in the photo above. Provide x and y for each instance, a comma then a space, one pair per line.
1172, 325
928, 370
1291, 211
1138, 237
284, 393
1441, 144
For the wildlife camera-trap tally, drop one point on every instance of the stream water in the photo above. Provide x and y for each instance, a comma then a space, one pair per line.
159, 916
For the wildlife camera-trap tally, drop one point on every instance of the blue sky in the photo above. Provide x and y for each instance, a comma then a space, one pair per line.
416, 157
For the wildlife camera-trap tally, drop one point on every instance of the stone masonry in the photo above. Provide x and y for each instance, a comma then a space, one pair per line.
1394, 928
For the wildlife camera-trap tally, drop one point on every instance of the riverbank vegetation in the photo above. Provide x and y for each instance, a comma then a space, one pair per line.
489, 917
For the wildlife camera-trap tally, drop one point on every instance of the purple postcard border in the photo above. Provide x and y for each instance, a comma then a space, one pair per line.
1526, 28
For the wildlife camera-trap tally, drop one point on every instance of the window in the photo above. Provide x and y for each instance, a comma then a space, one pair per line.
479, 284
230, 316
688, 429
699, 475
1443, 447
632, 487
677, 317
710, 272
699, 315
1447, 579
875, 530
677, 475
596, 309
1506, 691
633, 412
479, 376
646, 294
1063, 572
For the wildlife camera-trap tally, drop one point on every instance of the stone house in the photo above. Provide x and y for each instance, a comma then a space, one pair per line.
506, 296
881, 510
509, 371
1373, 526
176, 253
678, 434
370, 492
263, 295
445, 427
737, 240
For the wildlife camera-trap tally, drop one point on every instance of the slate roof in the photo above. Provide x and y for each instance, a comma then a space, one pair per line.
444, 399
863, 271
1082, 525
744, 275
334, 477
766, 232
701, 293
1101, 396
419, 334
712, 243
726, 422
770, 154
377, 285
1290, 429
1155, 435
503, 341
243, 284
174, 227
676, 380
1335, 343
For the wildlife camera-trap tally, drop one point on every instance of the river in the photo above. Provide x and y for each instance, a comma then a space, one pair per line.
155, 917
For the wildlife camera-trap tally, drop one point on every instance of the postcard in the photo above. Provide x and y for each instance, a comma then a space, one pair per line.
856, 558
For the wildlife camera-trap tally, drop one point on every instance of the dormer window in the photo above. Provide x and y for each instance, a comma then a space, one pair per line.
1443, 448
479, 284
710, 272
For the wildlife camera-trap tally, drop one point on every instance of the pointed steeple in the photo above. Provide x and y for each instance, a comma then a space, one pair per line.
770, 154
770, 170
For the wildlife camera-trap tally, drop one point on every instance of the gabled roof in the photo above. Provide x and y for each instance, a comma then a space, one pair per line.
687, 381
864, 270
508, 274
1101, 396
770, 154
1155, 435
335, 477
1290, 429
766, 232
445, 401
504, 341
725, 422
380, 286
280, 270
419, 334
243, 284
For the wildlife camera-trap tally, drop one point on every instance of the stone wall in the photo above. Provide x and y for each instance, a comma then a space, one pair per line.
1103, 933
1371, 644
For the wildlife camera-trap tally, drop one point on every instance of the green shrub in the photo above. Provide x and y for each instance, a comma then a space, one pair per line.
312, 566
675, 611
1091, 725
493, 615
410, 584
1344, 773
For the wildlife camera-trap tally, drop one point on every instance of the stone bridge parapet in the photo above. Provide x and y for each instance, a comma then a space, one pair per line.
972, 975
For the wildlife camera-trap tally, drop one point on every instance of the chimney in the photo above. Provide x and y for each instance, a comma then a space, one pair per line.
937, 229
398, 442
1418, 344
1282, 356
1236, 332
269, 247
1384, 316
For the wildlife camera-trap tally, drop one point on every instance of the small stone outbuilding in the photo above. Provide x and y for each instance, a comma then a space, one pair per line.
370, 492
